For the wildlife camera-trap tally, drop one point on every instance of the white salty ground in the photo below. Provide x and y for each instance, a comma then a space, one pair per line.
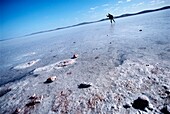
119, 61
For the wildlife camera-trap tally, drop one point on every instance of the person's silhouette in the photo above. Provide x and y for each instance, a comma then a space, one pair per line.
110, 17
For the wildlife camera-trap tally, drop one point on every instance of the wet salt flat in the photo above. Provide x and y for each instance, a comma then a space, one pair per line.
121, 61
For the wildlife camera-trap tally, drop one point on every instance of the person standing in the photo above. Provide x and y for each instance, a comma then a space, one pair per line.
110, 17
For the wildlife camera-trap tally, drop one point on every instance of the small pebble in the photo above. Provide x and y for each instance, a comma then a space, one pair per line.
75, 56
32, 103
96, 57
51, 79
126, 106
81, 86
33, 96
68, 73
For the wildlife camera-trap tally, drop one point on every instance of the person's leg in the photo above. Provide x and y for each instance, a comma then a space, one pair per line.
110, 20
114, 20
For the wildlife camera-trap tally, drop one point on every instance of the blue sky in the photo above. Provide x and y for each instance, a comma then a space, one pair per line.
20, 17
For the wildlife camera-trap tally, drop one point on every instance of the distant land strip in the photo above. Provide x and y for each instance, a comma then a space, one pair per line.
84, 23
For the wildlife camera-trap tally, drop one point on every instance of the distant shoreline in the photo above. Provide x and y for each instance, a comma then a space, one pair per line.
84, 23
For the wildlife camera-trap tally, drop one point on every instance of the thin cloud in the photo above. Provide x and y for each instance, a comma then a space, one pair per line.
157, 2
93, 8
128, 0
105, 5
138, 4
119, 2
141, 3
109, 9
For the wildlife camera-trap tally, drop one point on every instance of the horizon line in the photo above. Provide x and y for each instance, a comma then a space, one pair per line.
90, 22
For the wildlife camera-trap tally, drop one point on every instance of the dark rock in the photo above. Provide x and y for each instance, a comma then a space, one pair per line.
126, 106
165, 110
68, 73
32, 103
74, 42
141, 103
54, 56
167, 92
35, 75
33, 97
140, 30
50, 79
75, 56
81, 86
165, 86
96, 57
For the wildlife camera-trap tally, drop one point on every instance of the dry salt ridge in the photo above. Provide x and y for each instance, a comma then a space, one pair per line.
123, 68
